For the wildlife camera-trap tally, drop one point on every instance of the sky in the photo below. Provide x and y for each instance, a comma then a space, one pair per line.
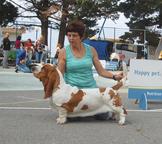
119, 26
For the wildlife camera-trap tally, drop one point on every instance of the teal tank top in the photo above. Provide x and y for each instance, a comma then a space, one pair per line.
78, 71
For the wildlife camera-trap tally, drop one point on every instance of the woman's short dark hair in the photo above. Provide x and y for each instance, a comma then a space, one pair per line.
76, 26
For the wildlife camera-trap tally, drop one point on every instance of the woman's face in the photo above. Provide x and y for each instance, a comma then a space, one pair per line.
73, 38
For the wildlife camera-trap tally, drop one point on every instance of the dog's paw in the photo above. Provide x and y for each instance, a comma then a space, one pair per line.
121, 122
60, 120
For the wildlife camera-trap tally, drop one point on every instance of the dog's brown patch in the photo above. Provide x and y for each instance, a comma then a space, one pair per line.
74, 101
117, 86
102, 90
116, 98
111, 93
117, 101
85, 107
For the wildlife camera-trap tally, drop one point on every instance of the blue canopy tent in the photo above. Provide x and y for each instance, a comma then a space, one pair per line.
104, 48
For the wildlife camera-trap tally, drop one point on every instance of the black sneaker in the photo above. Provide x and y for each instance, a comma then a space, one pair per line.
7, 67
16, 70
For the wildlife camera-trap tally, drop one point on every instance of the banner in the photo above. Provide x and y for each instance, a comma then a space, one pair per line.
145, 73
145, 81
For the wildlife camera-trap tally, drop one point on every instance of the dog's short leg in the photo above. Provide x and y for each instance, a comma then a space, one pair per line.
52, 105
62, 116
121, 119
112, 116
121, 114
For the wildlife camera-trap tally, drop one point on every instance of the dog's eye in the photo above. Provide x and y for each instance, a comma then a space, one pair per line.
43, 69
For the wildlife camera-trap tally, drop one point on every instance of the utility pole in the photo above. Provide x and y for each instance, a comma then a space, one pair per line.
99, 35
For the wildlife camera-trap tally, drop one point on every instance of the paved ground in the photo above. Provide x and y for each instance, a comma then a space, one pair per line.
25, 118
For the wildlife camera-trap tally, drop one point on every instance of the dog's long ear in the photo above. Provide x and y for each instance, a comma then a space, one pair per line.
48, 88
53, 82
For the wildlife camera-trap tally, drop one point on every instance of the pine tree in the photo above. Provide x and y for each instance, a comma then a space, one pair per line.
146, 15
8, 12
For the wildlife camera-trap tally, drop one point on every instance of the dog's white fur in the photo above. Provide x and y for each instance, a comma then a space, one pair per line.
96, 101
114, 56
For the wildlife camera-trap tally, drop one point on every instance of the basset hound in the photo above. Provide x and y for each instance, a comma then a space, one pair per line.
73, 102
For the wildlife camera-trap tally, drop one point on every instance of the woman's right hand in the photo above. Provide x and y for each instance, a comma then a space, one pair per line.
118, 76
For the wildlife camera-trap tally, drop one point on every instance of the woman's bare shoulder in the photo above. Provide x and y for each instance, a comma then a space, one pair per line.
94, 52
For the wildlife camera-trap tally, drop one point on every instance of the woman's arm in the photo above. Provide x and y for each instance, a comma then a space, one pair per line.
61, 60
101, 71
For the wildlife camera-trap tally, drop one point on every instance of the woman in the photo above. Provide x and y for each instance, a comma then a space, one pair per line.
30, 51
17, 46
58, 47
76, 60
39, 46
22, 66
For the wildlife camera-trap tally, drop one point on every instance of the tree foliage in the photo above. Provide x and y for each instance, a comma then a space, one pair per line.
8, 12
60, 12
33, 9
92, 10
89, 11
145, 15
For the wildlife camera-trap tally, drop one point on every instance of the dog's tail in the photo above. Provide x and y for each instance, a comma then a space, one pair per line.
119, 84
125, 69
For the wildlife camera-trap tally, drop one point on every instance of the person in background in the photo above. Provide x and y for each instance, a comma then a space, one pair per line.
160, 55
122, 63
17, 46
75, 61
39, 49
44, 54
30, 50
6, 49
22, 65
58, 47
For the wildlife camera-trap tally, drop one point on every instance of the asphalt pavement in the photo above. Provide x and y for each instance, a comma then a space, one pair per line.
26, 118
